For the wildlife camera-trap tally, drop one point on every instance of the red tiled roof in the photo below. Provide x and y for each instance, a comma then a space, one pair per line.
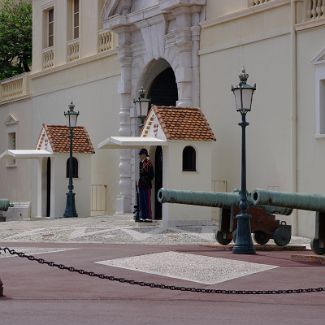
59, 139
184, 123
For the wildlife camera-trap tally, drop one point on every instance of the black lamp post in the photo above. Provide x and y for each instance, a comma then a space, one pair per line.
141, 106
70, 210
243, 97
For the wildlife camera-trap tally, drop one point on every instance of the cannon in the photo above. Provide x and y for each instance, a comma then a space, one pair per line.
4, 206
264, 226
301, 201
263, 222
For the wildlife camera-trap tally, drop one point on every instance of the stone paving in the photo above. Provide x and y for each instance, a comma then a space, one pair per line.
184, 256
109, 229
190, 267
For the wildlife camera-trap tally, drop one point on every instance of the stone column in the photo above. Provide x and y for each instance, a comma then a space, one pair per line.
40, 197
123, 203
183, 44
196, 30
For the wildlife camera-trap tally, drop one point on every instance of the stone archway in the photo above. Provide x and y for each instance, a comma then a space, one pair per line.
163, 90
163, 31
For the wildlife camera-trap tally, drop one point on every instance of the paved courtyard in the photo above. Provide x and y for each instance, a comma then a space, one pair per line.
188, 256
109, 229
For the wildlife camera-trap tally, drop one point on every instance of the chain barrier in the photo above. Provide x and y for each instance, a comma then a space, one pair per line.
157, 285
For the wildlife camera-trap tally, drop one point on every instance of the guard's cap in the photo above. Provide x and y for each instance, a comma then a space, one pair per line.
143, 151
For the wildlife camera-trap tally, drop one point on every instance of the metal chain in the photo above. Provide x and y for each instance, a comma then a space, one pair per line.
157, 285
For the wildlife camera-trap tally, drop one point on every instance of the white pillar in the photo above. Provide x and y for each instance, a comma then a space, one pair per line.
196, 30
60, 32
39, 196
123, 203
183, 43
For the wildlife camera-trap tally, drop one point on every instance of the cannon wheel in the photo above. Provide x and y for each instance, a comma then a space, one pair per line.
261, 237
317, 246
223, 238
281, 236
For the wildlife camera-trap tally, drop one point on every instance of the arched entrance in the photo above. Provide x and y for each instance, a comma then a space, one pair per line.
163, 92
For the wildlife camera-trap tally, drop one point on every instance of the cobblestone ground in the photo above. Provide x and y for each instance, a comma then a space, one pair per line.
109, 229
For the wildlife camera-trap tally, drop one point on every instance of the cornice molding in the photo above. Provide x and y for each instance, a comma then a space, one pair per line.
245, 13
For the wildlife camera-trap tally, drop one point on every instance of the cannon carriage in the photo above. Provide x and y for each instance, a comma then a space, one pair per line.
302, 201
264, 226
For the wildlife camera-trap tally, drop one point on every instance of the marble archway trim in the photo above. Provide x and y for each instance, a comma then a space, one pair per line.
148, 31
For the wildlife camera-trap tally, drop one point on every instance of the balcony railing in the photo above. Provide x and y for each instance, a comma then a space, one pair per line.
252, 3
105, 41
14, 88
73, 50
315, 9
48, 58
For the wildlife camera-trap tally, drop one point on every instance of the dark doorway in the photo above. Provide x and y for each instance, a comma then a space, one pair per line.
163, 90
158, 181
48, 187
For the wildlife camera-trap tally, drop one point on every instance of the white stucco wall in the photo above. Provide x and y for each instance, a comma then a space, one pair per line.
175, 178
262, 44
15, 182
89, 22
98, 104
222, 7
311, 150
81, 184
268, 135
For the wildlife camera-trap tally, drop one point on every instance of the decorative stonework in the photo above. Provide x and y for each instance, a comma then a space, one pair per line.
151, 32
11, 120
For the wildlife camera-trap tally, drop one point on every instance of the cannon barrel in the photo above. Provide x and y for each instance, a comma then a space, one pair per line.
302, 201
5, 204
212, 199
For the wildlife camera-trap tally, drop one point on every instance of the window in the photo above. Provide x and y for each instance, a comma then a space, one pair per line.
74, 168
101, 4
11, 145
75, 19
189, 159
48, 27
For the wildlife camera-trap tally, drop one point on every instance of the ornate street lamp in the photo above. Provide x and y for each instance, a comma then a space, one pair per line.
141, 106
243, 98
70, 210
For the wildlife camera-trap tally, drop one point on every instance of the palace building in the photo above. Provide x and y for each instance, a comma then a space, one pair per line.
186, 54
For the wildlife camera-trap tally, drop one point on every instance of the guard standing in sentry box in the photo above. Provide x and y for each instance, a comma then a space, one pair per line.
146, 176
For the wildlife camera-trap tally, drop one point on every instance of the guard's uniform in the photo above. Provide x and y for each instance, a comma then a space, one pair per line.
144, 184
